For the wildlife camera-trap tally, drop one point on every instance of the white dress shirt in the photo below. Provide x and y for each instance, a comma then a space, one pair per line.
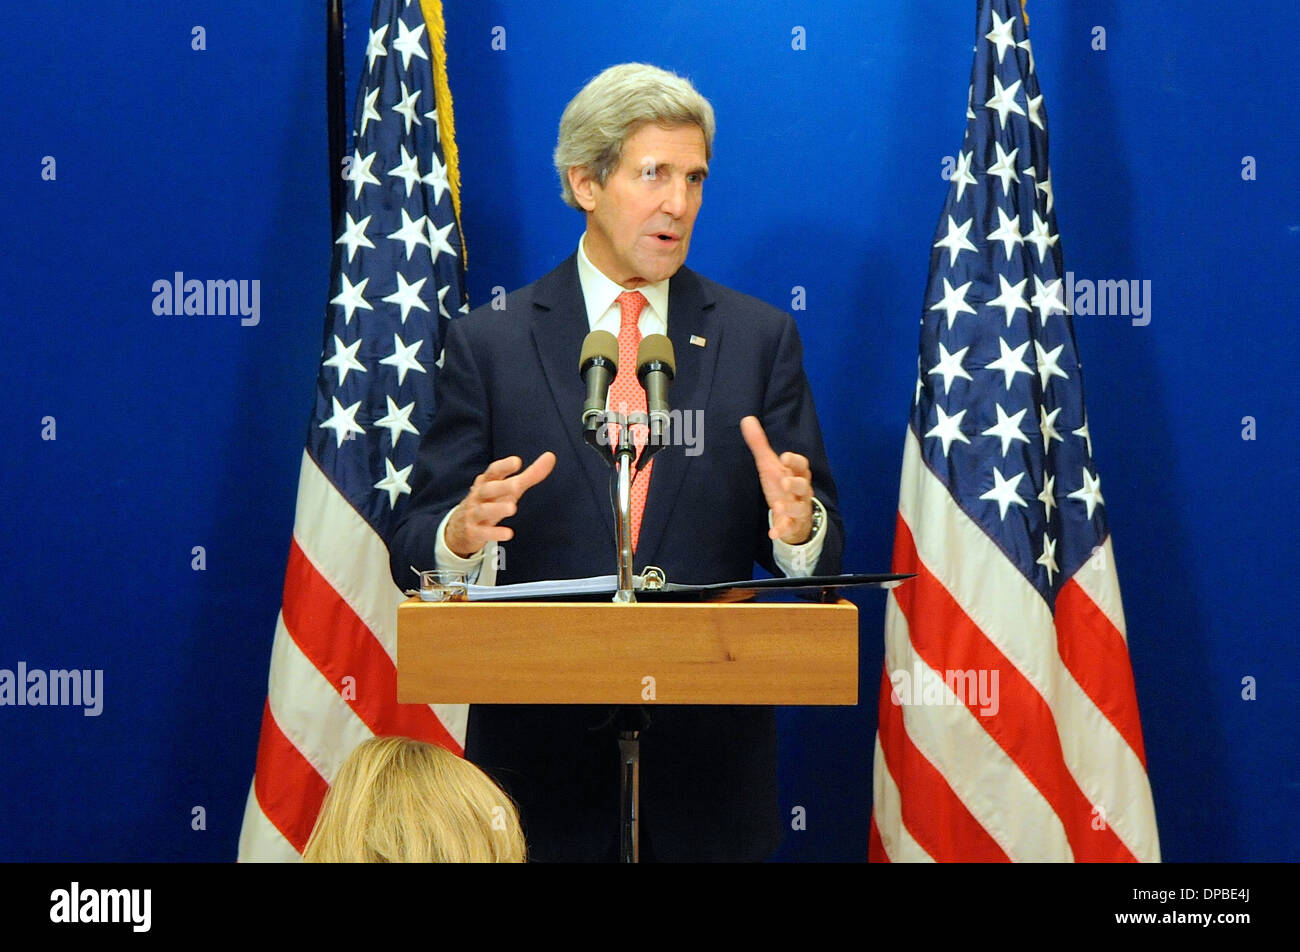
603, 314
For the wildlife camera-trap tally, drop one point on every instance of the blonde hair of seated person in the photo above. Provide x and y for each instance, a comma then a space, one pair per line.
398, 800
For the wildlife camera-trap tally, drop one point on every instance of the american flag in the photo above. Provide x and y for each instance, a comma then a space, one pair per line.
398, 278
1002, 518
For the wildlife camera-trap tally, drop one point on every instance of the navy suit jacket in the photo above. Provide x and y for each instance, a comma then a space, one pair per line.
509, 386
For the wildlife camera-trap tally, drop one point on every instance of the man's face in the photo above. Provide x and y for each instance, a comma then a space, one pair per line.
639, 222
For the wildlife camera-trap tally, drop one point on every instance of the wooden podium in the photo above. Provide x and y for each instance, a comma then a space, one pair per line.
631, 656
644, 653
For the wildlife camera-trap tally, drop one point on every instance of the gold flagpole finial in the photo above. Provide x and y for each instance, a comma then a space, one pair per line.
1023, 12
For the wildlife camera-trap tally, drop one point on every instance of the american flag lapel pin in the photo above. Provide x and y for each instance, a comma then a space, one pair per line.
697, 340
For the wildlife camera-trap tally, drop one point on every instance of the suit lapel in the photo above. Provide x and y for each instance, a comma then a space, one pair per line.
559, 325
690, 314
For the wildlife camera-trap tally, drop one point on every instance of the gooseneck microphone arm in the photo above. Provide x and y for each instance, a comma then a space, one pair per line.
623, 514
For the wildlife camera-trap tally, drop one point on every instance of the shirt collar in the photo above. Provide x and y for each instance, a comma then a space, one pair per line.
600, 293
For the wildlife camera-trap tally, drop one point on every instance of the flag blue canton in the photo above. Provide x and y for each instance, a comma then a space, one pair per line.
999, 398
398, 277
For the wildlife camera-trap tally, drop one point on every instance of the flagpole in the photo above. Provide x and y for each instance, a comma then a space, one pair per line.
336, 109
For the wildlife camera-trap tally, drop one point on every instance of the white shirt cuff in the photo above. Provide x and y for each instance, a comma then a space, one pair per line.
800, 560
480, 568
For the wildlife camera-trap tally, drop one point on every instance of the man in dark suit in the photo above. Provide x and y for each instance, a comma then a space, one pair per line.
633, 154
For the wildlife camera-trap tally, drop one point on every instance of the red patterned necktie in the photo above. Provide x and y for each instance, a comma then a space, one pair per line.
626, 395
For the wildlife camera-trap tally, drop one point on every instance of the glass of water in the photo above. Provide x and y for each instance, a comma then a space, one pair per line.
441, 585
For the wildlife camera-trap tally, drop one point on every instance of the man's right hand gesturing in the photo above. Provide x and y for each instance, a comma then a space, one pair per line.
494, 496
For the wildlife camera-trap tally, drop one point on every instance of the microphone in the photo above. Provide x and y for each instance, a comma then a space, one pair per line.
655, 368
598, 366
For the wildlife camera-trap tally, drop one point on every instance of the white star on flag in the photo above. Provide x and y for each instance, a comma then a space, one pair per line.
1004, 169
1047, 299
407, 296
438, 244
369, 111
949, 366
1045, 186
375, 47
1007, 232
1007, 429
408, 171
408, 44
359, 173
1041, 236
962, 174
1004, 492
1011, 362
411, 233
948, 428
350, 298
1048, 558
1047, 363
354, 235
1046, 496
1085, 435
1035, 111
1047, 426
1003, 101
1012, 296
345, 358
395, 481
1000, 35
1090, 492
406, 108
437, 178
954, 301
956, 241
343, 421
403, 358
397, 420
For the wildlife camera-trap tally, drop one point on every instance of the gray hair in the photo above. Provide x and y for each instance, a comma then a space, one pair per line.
611, 107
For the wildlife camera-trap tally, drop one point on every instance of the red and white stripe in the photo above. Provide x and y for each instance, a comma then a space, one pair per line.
1058, 773
333, 680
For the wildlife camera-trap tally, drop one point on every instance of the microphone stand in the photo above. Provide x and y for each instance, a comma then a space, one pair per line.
631, 720
622, 490
621, 459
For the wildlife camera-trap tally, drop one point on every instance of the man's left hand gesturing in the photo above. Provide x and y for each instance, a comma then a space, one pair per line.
787, 485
